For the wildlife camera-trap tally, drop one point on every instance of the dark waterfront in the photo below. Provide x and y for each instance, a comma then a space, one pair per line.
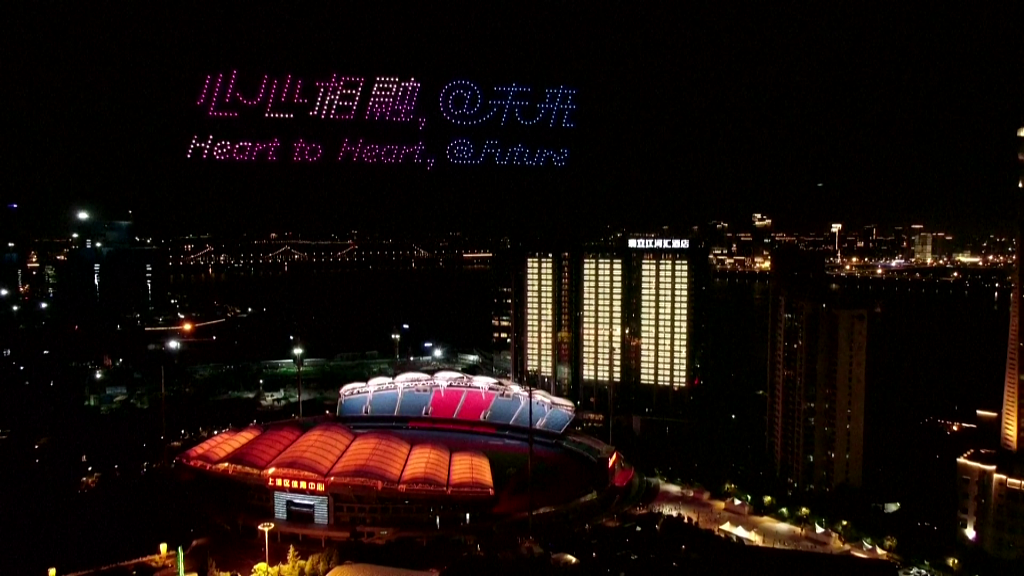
350, 312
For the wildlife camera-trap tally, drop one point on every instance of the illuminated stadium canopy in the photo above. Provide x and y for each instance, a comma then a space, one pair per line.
455, 396
330, 455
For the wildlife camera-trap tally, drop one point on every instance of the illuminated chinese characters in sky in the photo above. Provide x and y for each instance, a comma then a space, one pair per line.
357, 104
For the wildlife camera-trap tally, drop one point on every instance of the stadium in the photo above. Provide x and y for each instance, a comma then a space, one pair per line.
414, 454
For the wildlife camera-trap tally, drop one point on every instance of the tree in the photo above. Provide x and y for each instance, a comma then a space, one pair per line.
296, 566
211, 569
331, 558
261, 569
313, 565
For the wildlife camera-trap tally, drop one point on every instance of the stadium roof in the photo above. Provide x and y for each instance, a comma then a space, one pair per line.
427, 464
330, 454
469, 470
217, 453
315, 451
453, 395
258, 453
374, 456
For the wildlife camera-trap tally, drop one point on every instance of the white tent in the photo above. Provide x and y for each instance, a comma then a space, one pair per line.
822, 535
738, 531
865, 550
737, 506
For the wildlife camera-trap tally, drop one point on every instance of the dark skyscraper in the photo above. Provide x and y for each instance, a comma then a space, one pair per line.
991, 483
816, 376
1012, 425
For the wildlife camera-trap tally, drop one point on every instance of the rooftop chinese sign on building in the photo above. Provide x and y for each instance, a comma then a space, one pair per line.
659, 243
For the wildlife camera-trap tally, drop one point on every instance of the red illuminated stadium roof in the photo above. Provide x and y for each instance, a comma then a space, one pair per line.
259, 453
202, 447
332, 454
470, 470
315, 452
373, 456
217, 453
427, 464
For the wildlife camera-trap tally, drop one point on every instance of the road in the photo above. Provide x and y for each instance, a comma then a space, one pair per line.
711, 514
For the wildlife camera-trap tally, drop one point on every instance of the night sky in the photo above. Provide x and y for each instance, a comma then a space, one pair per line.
683, 115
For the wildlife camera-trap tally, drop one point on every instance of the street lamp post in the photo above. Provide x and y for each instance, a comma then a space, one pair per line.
266, 527
173, 346
529, 466
297, 351
397, 337
611, 394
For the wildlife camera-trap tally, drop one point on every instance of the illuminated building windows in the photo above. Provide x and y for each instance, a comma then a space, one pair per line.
663, 322
540, 315
602, 319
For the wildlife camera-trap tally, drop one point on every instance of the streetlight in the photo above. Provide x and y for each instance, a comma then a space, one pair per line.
438, 352
83, 215
397, 337
266, 527
4, 292
297, 351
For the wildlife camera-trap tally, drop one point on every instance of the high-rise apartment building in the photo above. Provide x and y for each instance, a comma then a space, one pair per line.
604, 321
501, 319
923, 247
990, 483
816, 383
664, 321
540, 316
